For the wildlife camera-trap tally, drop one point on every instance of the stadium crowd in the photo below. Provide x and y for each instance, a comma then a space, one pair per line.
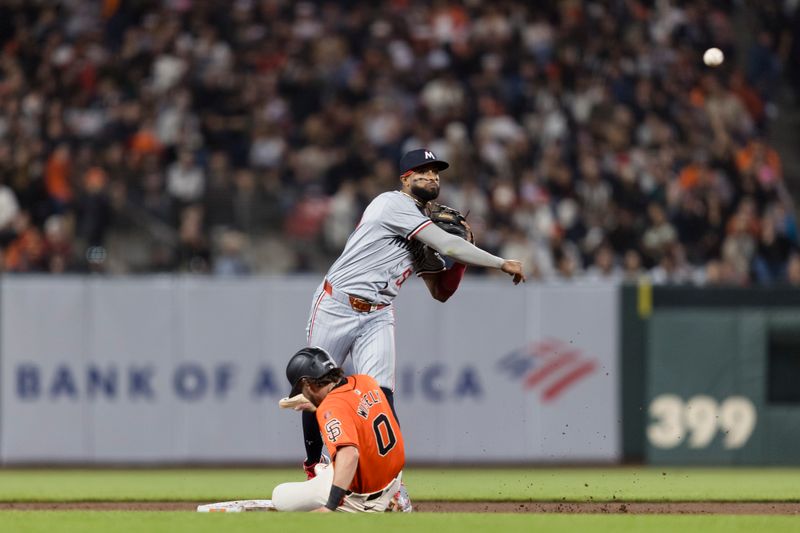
585, 138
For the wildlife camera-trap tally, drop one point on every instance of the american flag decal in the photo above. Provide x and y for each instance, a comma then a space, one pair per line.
550, 366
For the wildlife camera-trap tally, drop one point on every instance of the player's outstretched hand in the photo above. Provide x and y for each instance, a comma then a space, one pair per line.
322, 509
514, 269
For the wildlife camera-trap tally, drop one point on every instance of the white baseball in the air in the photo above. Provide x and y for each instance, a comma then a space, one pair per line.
713, 57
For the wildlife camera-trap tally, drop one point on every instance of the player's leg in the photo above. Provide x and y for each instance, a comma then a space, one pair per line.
373, 351
389, 393
312, 439
304, 495
331, 326
360, 503
374, 354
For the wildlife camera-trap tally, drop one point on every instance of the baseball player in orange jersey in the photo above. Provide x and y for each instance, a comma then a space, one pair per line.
352, 313
361, 433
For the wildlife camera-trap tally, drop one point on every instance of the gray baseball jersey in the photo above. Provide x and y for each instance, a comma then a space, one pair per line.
379, 256
381, 253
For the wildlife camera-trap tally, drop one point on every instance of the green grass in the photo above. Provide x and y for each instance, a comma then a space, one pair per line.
544, 484
135, 522
570, 484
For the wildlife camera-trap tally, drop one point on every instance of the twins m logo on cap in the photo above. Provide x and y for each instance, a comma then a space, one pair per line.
419, 157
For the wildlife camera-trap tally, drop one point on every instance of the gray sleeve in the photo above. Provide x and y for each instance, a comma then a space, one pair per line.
457, 248
400, 216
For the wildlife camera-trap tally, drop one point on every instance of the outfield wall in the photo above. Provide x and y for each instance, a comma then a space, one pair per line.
176, 370
711, 376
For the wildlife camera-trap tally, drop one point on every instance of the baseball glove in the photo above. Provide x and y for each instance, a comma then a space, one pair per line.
452, 221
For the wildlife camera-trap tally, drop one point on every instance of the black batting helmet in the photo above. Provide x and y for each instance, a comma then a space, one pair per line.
310, 362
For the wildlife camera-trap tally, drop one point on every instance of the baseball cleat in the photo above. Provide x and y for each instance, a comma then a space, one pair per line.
311, 468
401, 501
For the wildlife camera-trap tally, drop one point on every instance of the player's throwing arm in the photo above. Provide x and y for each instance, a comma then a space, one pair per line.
465, 252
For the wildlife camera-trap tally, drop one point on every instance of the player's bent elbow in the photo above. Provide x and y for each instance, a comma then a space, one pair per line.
348, 453
437, 293
347, 457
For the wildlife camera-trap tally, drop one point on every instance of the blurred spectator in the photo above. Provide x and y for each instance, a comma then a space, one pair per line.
713, 273
739, 247
577, 132
305, 222
772, 254
566, 257
152, 199
593, 191
219, 197
185, 179
9, 208
229, 260
26, 253
93, 207
516, 244
59, 245
57, 176
793, 270
342, 216
603, 266
194, 255
720, 273
672, 267
632, 266
760, 161
660, 235
623, 234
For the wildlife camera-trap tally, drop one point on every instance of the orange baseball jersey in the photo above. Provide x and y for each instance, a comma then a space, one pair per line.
358, 414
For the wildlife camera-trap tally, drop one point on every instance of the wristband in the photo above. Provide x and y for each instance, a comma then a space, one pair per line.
335, 497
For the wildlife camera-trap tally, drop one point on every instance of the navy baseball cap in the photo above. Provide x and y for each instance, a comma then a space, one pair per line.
417, 158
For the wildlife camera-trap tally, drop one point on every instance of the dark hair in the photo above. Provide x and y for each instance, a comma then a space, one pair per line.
332, 376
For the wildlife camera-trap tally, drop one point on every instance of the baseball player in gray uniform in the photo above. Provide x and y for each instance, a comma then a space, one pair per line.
352, 312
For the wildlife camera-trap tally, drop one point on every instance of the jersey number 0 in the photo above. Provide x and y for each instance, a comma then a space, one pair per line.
383, 421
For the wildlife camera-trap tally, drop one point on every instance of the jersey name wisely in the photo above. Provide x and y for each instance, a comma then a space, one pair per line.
358, 414
379, 254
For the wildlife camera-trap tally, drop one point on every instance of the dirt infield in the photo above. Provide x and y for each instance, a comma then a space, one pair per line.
772, 508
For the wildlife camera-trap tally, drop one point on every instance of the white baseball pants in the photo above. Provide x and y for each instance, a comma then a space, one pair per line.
312, 494
367, 337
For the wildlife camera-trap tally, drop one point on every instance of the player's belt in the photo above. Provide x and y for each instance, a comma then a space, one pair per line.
358, 304
374, 495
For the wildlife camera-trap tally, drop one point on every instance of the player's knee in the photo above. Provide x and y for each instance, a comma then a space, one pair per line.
287, 498
279, 499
